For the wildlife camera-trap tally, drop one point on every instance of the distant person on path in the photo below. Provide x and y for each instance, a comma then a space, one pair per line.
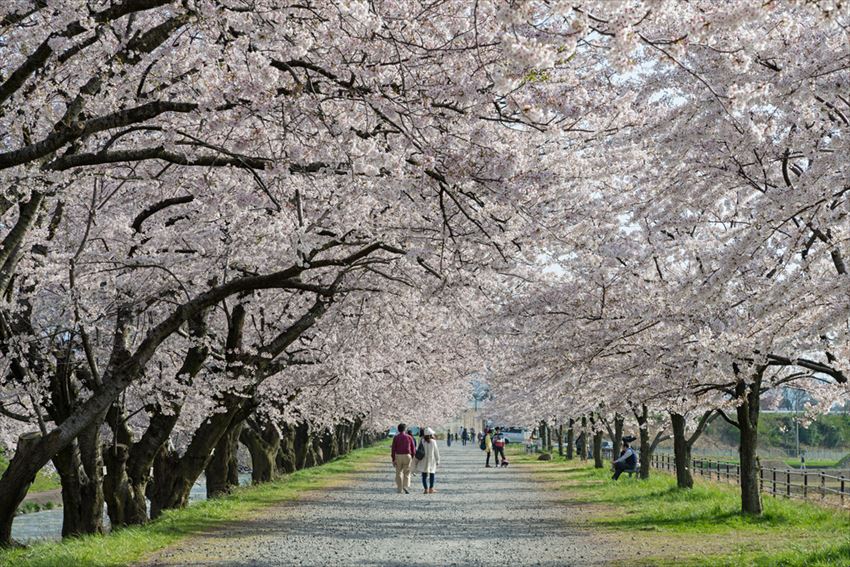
499, 442
449, 439
464, 436
403, 449
487, 446
427, 465
627, 460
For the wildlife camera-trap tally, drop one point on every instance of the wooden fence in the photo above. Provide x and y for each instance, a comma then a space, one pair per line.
790, 483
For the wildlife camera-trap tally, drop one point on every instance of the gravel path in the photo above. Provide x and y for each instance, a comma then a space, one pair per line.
478, 516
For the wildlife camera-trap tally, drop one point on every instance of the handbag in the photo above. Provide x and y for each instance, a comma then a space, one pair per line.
483, 445
420, 451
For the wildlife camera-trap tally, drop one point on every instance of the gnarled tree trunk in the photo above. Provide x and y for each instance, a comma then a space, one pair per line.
570, 439
18, 481
285, 458
264, 444
80, 468
222, 470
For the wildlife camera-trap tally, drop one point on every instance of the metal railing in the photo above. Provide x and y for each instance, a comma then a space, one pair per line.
789, 483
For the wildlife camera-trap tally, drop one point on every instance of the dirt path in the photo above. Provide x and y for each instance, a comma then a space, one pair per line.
478, 517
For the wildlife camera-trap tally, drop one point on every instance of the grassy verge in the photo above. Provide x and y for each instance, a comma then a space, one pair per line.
132, 544
43, 481
662, 525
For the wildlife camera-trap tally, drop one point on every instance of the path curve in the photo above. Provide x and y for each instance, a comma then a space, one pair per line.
478, 517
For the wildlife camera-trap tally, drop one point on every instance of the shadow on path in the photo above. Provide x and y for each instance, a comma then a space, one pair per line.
479, 516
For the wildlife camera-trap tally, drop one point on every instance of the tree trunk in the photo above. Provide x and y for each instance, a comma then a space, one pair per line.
570, 439
175, 475
561, 439
315, 456
597, 450
354, 434
302, 445
681, 452
583, 438
329, 444
617, 438
645, 453
285, 458
16, 482
645, 447
263, 443
129, 469
222, 471
748, 416
80, 468
116, 486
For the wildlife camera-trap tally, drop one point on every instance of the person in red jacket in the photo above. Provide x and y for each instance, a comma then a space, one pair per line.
403, 449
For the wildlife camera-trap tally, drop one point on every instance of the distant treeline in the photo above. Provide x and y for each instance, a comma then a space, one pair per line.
830, 431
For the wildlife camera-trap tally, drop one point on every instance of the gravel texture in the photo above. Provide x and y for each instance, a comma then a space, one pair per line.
478, 516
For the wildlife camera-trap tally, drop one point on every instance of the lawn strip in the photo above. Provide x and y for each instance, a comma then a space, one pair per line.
129, 545
662, 525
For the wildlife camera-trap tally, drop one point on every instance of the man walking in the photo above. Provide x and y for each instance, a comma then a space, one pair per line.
403, 449
464, 436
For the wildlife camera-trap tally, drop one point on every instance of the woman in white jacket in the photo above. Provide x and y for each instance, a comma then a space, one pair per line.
427, 466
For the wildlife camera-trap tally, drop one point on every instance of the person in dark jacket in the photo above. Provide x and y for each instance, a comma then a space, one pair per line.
627, 460
499, 442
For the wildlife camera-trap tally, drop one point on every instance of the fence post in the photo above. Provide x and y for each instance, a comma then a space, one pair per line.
822, 485
842, 490
805, 484
788, 483
773, 487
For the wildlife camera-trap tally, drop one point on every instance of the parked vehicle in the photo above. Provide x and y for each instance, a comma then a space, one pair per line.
394, 431
516, 434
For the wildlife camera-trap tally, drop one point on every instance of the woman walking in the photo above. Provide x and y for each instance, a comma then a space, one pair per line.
429, 462
487, 446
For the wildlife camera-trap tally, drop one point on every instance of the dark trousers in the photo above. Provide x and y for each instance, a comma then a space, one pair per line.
488, 459
426, 478
618, 469
499, 451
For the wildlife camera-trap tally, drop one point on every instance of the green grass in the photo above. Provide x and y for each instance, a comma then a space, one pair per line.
129, 545
789, 532
44, 481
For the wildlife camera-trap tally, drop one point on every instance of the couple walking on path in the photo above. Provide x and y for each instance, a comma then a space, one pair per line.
494, 442
407, 458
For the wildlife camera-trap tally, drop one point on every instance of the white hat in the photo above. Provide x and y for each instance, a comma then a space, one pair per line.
429, 431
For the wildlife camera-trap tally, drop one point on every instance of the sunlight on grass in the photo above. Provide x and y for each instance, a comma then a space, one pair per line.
131, 544
44, 481
790, 532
